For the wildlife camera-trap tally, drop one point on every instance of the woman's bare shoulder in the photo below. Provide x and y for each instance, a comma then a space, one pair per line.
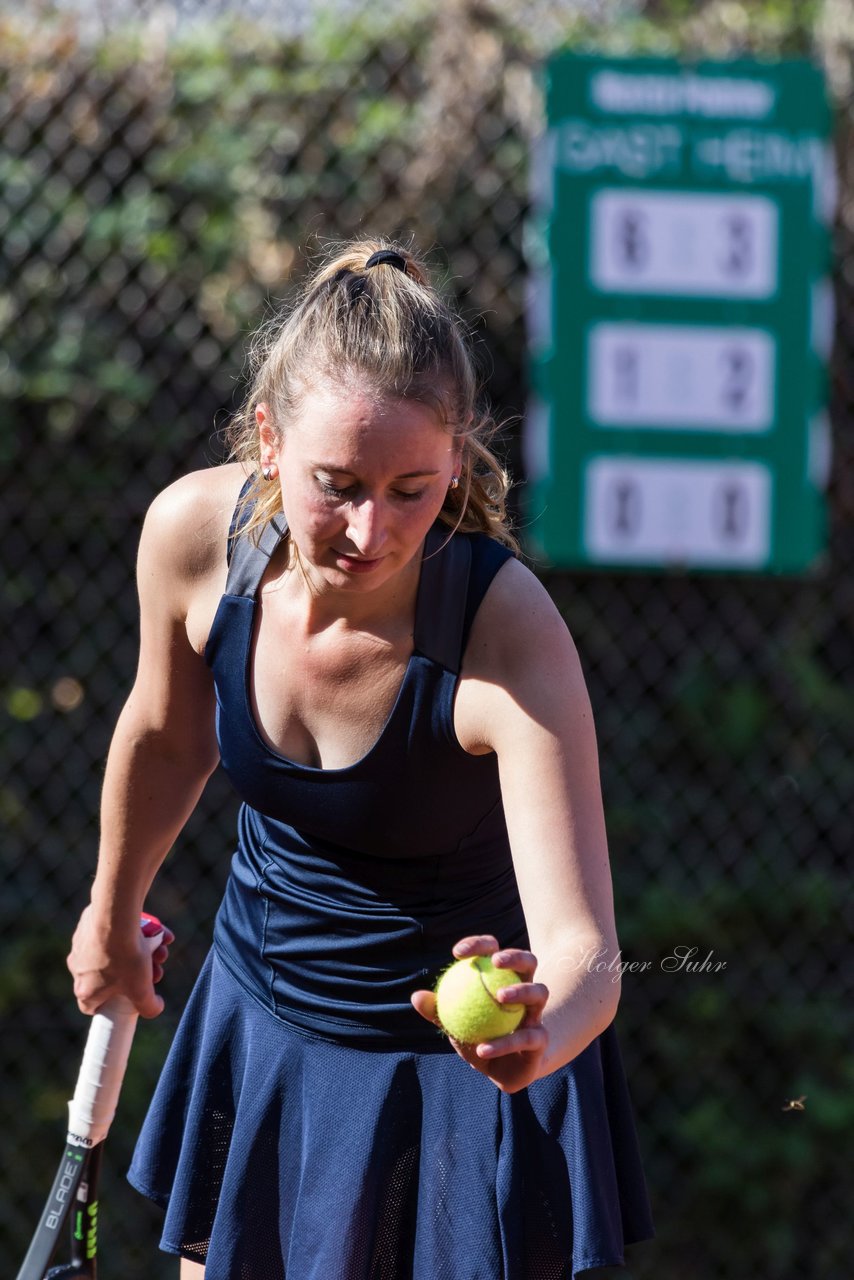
521, 668
517, 622
186, 526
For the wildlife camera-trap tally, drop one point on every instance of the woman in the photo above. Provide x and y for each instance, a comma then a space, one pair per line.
402, 712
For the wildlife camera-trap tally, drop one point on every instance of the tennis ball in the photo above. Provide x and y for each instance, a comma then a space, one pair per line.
466, 1004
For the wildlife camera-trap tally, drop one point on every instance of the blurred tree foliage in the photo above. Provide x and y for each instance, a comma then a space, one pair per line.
159, 196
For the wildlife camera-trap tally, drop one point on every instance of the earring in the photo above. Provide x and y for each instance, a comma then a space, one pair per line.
455, 482
267, 473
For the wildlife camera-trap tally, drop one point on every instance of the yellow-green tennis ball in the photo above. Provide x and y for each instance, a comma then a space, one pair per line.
466, 1003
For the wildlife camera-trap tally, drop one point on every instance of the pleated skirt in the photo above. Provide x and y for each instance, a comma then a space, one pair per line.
279, 1154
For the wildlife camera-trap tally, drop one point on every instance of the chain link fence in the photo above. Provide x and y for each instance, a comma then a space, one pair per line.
157, 196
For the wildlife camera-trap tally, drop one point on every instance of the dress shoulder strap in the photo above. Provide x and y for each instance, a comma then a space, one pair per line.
247, 555
487, 558
455, 575
441, 604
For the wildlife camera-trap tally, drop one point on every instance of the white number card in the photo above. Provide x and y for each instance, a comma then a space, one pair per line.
678, 512
683, 244
680, 376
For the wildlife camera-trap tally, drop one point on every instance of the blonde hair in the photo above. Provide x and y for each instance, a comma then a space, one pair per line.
388, 327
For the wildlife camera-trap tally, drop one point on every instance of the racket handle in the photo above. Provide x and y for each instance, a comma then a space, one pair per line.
96, 1095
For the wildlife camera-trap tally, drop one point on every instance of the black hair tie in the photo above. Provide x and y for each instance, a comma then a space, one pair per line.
387, 256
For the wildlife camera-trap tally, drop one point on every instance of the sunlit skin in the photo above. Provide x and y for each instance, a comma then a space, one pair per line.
362, 481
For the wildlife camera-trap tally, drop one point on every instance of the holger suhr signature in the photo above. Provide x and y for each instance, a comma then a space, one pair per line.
682, 959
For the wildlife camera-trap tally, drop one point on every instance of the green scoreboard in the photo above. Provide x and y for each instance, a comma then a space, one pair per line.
680, 315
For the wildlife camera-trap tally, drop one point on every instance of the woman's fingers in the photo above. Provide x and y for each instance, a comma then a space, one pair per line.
486, 944
532, 994
526, 1039
522, 962
424, 1002
160, 956
151, 1006
101, 971
89, 999
511, 1062
477, 944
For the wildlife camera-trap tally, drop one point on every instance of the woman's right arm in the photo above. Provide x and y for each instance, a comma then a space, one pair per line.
162, 752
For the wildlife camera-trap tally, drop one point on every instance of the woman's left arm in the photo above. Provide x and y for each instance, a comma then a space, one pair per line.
523, 696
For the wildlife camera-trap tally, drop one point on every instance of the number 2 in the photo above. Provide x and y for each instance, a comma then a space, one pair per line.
739, 245
631, 240
738, 376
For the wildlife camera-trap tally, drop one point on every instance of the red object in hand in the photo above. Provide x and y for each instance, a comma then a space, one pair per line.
150, 925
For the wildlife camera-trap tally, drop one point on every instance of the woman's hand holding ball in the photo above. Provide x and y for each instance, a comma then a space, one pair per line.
492, 1010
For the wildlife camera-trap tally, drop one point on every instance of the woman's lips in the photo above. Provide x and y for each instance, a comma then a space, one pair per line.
354, 564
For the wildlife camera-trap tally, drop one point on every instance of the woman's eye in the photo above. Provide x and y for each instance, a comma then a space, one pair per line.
332, 490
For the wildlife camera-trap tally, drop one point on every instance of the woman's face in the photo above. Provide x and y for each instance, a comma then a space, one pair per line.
362, 482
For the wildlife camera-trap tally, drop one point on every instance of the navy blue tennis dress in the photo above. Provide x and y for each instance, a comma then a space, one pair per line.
309, 1124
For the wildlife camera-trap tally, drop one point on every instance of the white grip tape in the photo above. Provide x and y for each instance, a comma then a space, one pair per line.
91, 1110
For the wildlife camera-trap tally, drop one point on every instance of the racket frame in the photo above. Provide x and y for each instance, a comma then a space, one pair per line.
74, 1195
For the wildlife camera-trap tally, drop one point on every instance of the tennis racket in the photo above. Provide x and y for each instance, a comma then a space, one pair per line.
74, 1196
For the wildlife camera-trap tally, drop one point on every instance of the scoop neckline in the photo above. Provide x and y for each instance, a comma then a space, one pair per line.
279, 756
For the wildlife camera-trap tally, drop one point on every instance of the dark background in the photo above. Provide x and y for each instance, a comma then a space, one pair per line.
160, 189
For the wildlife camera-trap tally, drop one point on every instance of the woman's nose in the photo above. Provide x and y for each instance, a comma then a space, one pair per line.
366, 527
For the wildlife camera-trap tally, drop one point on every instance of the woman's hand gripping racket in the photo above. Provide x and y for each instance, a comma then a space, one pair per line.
74, 1195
